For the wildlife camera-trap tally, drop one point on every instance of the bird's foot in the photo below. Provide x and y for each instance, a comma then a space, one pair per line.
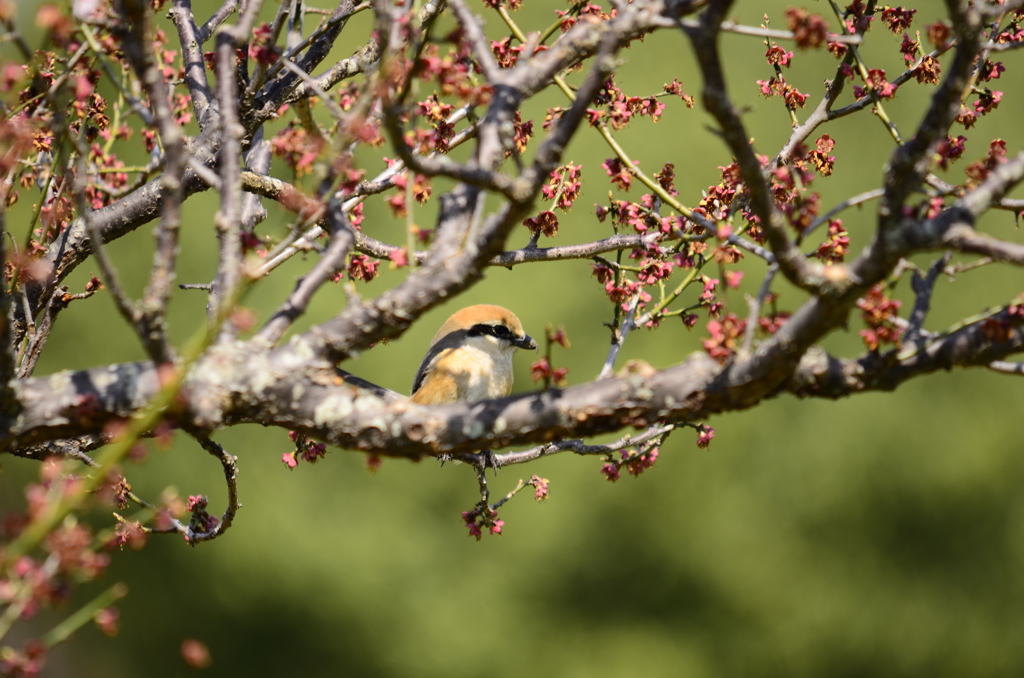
485, 460
443, 458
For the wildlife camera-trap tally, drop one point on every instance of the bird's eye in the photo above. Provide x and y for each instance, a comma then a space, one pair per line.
501, 331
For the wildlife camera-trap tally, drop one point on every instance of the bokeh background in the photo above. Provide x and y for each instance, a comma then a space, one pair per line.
880, 535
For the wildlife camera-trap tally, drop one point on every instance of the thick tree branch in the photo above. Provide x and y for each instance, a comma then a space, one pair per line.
288, 388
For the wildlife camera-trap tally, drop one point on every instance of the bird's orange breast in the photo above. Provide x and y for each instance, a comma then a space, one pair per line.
465, 373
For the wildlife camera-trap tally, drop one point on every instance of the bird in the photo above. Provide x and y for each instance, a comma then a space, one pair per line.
470, 357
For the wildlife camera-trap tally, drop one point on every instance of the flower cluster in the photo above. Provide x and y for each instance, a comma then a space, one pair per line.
261, 47
619, 108
979, 170
201, 521
777, 56
362, 267
726, 336
635, 462
879, 313
297, 148
421, 192
70, 557
777, 86
820, 158
481, 518
305, 450
675, 87
540, 487
453, 72
809, 30
950, 150
898, 19
705, 434
876, 83
835, 248
564, 186
541, 370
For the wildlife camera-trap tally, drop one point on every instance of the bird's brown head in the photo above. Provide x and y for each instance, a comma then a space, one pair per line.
487, 320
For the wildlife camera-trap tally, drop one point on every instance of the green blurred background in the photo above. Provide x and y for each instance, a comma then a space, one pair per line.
882, 535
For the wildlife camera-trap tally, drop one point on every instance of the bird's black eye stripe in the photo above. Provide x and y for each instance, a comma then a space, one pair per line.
499, 331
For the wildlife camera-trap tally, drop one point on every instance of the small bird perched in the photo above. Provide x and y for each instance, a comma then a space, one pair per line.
470, 357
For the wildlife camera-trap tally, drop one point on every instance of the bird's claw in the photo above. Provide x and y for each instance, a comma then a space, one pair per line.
443, 458
485, 459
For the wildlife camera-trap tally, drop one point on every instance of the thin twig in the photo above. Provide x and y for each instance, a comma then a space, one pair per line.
230, 466
849, 202
761, 32
213, 23
619, 338
923, 288
579, 447
755, 308
332, 260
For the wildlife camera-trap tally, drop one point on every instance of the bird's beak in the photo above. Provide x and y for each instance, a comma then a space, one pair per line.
526, 342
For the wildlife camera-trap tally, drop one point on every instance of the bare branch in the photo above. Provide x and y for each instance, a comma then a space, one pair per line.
964, 238
276, 91
192, 59
619, 335
257, 160
332, 261
528, 255
756, 304
822, 375
7, 362
220, 16
229, 216
37, 340
341, 70
849, 202
1001, 179
579, 447
923, 288
774, 34
125, 306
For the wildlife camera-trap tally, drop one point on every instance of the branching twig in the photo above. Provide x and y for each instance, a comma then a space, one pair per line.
213, 23
581, 448
619, 335
192, 58
849, 202
923, 288
755, 308
808, 275
331, 261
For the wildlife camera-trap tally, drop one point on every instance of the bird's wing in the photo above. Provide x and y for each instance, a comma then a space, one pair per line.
439, 346
434, 384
